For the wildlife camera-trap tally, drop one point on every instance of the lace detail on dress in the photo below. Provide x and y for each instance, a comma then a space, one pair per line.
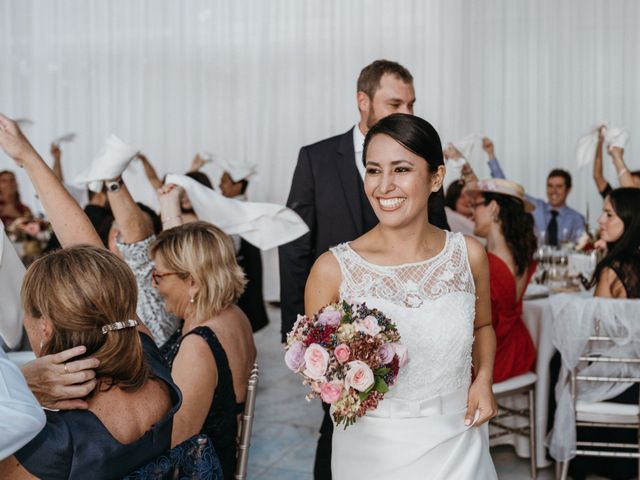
433, 304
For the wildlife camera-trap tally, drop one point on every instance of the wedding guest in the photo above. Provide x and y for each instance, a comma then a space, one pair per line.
617, 275
554, 219
11, 207
83, 295
502, 216
327, 192
251, 302
212, 353
627, 178
136, 229
458, 208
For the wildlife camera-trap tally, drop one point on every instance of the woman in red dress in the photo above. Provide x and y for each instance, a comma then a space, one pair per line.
502, 216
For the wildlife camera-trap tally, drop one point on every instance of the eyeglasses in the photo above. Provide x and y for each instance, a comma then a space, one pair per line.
157, 276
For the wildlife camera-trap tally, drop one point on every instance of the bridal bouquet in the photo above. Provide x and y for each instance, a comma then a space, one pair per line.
349, 355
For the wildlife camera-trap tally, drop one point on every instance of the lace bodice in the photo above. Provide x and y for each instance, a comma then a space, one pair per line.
433, 304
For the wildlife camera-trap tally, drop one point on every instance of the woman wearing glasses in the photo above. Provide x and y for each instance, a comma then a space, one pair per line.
212, 352
502, 216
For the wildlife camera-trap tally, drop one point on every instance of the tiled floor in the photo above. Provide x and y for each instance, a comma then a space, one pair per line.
286, 426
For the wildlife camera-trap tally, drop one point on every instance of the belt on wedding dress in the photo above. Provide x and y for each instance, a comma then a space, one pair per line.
438, 405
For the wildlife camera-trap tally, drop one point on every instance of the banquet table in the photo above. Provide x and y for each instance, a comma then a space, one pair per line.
536, 315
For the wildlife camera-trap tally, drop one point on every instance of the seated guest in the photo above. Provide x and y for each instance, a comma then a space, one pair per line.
135, 228
553, 218
212, 353
626, 177
501, 215
85, 295
458, 208
251, 302
617, 275
11, 207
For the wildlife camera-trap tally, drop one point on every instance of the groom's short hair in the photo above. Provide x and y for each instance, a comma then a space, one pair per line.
369, 79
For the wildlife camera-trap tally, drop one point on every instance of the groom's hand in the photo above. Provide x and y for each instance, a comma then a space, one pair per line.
480, 399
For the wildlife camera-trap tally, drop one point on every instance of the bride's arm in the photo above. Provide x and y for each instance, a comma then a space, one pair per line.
484, 345
323, 284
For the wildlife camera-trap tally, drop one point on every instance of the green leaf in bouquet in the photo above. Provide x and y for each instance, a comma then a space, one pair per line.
380, 385
382, 371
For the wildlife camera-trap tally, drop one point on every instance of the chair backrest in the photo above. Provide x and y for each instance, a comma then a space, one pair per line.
193, 458
244, 434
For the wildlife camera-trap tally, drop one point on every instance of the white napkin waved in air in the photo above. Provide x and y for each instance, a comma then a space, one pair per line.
265, 225
110, 162
11, 273
613, 137
237, 170
454, 166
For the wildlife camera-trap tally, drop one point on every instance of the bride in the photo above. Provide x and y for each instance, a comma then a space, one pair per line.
435, 285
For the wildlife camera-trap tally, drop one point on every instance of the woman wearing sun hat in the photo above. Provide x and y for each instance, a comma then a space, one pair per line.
502, 216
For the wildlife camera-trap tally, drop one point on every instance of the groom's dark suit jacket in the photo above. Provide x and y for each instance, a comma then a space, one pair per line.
327, 192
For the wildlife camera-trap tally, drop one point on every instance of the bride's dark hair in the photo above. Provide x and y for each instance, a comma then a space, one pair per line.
413, 133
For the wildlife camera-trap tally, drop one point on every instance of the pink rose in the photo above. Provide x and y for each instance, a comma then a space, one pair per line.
386, 353
316, 361
368, 325
359, 376
342, 353
294, 357
402, 353
330, 392
329, 317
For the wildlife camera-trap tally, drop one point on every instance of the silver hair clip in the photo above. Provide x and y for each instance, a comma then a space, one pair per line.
119, 325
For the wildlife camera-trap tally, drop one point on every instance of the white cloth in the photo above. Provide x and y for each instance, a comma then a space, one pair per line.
418, 430
239, 170
613, 137
11, 273
453, 171
574, 320
110, 162
358, 148
21, 417
265, 225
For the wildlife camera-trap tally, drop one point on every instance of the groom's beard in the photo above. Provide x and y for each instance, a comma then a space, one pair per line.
372, 118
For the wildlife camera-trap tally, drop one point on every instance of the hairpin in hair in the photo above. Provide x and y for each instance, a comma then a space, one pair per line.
119, 325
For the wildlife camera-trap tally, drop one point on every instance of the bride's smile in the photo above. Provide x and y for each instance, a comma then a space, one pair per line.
397, 181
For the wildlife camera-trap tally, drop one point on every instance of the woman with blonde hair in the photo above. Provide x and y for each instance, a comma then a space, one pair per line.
212, 353
84, 296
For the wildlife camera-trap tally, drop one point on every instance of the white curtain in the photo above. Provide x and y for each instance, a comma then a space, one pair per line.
257, 79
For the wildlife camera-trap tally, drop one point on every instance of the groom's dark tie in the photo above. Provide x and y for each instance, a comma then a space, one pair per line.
552, 229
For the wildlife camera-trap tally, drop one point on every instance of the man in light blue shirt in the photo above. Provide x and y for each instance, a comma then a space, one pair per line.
555, 221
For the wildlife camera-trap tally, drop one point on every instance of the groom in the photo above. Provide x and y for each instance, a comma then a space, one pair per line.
327, 191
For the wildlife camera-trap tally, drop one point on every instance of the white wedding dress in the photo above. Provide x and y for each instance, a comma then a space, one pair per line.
418, 430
